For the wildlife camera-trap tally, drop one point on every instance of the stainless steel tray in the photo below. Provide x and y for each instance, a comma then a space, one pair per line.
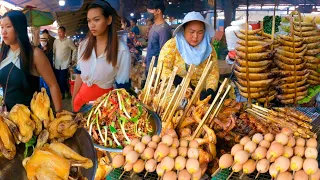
81, 143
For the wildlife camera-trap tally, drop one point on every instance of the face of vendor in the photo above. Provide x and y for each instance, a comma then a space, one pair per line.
7, 31
194, 32
97, 22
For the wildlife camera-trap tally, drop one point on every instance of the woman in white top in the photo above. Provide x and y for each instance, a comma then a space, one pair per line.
103, 60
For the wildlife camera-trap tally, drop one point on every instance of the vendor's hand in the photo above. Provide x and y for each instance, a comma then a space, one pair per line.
205, 93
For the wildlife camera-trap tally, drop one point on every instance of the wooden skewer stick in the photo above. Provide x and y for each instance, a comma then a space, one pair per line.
158, 72
122, 174
145, 175
163, 174
197, 132
133, 173
182, 93
199, 87
168, 89
147, 92
230, 175
257, 175
150, 70
203, 121
173, 98
185, 85
216, 172
163, 83
242, 175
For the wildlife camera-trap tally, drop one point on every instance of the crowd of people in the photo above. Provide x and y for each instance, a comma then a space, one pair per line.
103, 59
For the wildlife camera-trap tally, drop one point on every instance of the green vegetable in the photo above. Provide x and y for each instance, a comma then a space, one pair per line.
267, 24
30, 143
122, 121
312, 91
113, 132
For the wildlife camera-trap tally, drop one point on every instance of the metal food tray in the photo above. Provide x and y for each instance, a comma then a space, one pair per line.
115, 174
310, 112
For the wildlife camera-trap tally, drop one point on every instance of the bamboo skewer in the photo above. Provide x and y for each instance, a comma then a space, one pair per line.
204, 119
171, 102
147, 91
294, 63
185, 85
158, 72
198, 88
168, 89
163, 83
150, 70
246, 54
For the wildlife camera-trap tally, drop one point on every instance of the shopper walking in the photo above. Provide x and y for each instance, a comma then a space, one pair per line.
64, 52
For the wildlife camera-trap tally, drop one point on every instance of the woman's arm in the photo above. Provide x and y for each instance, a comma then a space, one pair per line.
213, 78
77, 85
44, 69
123, 74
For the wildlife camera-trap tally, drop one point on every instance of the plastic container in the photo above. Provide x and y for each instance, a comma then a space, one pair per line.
230, 36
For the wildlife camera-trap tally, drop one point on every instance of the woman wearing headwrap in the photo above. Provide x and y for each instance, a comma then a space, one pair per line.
191, 45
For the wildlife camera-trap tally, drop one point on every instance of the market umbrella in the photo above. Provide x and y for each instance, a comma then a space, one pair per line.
37, 18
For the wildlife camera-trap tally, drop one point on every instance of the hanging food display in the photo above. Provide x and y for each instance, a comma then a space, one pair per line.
311, 36
259, 57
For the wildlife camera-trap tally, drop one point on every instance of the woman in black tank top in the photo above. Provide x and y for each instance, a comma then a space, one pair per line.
21, 64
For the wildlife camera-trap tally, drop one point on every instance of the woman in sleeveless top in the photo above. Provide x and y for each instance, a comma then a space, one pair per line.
103, 60
21, 64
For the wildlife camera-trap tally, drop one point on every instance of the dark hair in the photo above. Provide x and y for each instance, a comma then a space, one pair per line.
134, 20
62, 28
45, 31
156, 4
19, 23
125, 20
113, 43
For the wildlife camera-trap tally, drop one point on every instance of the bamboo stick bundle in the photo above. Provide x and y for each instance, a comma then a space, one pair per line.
171, 102
204, 119
149, 85
168, 89
199, 87
185, 84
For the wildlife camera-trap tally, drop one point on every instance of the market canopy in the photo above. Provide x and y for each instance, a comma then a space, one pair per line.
76, 21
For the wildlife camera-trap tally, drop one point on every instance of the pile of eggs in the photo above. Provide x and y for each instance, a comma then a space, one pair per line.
283, 155
170, 157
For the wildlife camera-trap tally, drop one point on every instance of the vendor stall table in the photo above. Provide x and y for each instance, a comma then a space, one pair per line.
222, 175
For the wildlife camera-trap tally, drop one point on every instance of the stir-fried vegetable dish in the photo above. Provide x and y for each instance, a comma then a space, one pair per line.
116, 118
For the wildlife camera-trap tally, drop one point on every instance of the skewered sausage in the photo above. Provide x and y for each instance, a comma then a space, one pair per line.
252, 89
289, 43
254, 63
252, 43
313, 52
291, 96
311, 59
291, 54
289, 67
250, 37
307, 28
292, 85
253, 49
290, 49
289, 91
287, 60
256, 76
313, 45
312, 39
251, 70
306, 33
250, 32
255, 56
271, 96
261, 83
292, 79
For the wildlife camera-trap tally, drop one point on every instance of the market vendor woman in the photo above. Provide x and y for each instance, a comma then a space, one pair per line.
191, 45
103, 60
21, 64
